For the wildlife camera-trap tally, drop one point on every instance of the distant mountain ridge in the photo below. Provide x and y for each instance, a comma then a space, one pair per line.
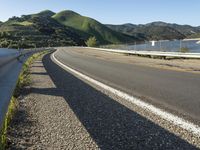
157, 30
184, 29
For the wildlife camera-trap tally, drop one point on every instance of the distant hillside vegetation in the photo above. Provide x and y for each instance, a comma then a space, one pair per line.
197, 35
37, 30
157, 30
148, 32
89, 27
186, 30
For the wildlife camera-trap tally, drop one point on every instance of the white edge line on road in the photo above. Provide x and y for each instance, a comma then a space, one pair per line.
189, 126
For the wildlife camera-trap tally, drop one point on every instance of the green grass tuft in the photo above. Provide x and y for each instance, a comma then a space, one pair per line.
9, 115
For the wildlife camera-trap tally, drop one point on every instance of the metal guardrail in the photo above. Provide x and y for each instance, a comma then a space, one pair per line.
6, 58
152, 53
10, 69
9, 57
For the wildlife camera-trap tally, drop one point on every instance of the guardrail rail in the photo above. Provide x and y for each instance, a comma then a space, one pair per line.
152, 53
9, 72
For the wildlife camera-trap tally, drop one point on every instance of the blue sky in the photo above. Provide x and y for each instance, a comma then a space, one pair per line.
112, 11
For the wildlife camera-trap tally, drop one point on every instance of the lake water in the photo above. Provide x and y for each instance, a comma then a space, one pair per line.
165, 46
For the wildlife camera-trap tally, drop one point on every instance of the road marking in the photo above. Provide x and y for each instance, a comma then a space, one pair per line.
189, 126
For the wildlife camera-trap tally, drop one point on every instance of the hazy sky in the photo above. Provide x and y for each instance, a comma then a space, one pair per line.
112, 11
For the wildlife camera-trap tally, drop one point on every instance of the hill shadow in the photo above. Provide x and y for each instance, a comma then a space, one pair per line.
110, 124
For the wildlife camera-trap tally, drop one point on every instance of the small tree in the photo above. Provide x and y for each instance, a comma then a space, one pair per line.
91, 42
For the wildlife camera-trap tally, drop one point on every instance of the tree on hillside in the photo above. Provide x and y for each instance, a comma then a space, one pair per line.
4, 44
4, 35
91, 42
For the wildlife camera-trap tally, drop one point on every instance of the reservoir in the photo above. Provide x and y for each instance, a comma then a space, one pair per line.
190, 46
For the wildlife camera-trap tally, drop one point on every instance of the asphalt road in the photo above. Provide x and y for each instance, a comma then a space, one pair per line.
178, 92
110, 123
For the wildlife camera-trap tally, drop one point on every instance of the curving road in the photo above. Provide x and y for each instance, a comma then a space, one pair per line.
178, 92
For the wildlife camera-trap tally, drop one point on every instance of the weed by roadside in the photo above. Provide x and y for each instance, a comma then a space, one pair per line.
9, 115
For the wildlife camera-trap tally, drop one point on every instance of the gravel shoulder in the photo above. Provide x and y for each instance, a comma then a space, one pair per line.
44, 119
60, 111
186, 65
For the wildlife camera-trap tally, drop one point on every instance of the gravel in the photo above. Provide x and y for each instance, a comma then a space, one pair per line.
59, 111
44, 119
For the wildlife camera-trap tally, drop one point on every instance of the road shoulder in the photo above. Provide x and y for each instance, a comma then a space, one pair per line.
44, 119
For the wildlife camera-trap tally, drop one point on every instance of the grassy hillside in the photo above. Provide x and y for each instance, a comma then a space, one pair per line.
124, 28
186, 30
150, 31
129, 29
90, 27
37, 30
197, 35
159, 33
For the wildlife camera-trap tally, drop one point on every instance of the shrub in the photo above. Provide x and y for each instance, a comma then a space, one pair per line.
4, 44
91, 42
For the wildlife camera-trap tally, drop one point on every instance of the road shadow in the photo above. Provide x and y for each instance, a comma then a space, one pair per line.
44, 91
110, 124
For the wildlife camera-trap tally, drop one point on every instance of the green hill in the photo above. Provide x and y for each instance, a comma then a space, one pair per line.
149, 31
157, 30
37, 30
89, 27
186, 30
154, 32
